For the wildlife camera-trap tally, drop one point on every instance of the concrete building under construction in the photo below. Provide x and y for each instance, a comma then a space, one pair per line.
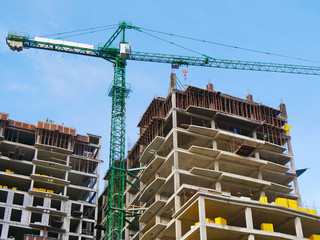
49, 178
216, 167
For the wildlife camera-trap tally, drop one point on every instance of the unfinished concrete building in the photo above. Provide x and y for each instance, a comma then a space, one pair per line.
49, 178
216, 167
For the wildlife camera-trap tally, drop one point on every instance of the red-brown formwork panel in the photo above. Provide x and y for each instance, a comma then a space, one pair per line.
4, 116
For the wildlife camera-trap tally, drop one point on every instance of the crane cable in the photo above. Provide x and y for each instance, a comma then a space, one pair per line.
175, 44
92, 29
78, 34
230, 46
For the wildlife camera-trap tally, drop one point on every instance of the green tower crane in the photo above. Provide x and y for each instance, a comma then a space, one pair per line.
119, 90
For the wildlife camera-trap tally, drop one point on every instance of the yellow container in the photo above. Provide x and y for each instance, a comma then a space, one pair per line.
41, 189
220, 220
263, 199
209, 220
312, 211
282, 202
267, 227
6, 187
315, 237
293, 204
49, 191
14, 188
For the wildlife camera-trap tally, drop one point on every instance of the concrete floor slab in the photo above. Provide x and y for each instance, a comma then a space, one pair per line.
152, 168
151, 189
151, 148
209, 132
204, 151
152, 210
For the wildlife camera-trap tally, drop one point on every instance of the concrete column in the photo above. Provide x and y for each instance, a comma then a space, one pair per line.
25, 217
262, 193
64, 236
38, 138
178, 229
46, 202
174, 99
4, 231
27, 200
218, 186
216, 165
251, 237
176, 187
254, 135
175, 154
214, 142
7, 214
298, 227
35, 156
260, 174
157, 219
9, 198
202, 218
293, 170
248, 216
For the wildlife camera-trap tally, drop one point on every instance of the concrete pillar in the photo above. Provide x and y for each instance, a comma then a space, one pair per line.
293, 170
27, 200
260, 174
7, 214
262, 193
248, 216
9, 198
298, 227
176, 187
214, 142
251, 237
202, 218
25, 216
178, 229
216, 165
64, 236
254, 135
35, 156
4, 231
218, 186
46, 202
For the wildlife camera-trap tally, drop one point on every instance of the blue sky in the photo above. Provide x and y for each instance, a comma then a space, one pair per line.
36, 84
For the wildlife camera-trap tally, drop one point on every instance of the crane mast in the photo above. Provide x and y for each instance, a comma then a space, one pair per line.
119, 91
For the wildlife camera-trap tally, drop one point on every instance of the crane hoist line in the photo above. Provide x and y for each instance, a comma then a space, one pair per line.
119, 90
